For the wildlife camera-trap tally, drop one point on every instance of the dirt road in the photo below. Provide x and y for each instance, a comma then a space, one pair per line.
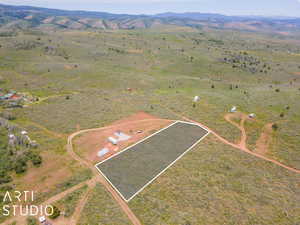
245, 149
263, 142
228, 117
242, 146
76, 215
100, 178
22, 220
239, 146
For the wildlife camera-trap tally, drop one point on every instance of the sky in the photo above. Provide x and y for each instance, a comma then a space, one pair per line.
227, 7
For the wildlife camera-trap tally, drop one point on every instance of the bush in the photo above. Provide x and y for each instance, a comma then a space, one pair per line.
275, 126
5, 179
56, 213
5, 188
20, 166
35, 158
8, 116
32, 221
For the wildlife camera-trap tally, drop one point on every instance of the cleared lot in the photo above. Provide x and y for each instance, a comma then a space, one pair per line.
130, 171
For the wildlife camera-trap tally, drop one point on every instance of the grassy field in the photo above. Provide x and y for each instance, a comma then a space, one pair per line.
82, 78
150, 157
68, 204
215, 184
101, 209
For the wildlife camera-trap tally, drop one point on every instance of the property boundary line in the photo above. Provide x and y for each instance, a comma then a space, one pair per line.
148, 183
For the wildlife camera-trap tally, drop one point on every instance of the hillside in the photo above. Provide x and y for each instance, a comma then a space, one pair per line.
34, 17
84, 77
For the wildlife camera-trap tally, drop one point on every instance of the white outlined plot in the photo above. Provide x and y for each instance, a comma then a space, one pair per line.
137, 166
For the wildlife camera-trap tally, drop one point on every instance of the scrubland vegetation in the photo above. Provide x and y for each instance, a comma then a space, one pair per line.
82, 78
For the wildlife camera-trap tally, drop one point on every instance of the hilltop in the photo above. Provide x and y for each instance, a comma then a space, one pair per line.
34, 17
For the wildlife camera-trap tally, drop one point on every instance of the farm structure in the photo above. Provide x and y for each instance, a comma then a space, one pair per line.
134, 168
127, 131
14, 99
112, 143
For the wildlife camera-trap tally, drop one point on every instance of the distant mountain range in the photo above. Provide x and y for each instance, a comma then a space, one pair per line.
22, 17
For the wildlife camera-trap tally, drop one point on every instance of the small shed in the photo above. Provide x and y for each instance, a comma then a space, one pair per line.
121, 136
233, 109
15, 97
196, 99
252, 115
112, 140
24, 132
103, 152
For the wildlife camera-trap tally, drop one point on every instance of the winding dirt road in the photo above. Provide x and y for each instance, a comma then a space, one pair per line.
228, 117
264, 141
22, 220
242, 146
245, 149
100, 178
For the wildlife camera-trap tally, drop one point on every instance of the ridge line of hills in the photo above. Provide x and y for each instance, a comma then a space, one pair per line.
24, 17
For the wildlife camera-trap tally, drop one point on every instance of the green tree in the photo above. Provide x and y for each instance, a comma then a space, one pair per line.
31, 221
56, 213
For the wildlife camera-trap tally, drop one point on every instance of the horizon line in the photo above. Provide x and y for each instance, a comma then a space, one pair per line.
158, 13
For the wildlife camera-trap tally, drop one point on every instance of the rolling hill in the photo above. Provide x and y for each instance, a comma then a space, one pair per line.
16, 17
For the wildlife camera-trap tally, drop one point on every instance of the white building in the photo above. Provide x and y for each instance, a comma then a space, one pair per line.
24, 132
233, 109
196, 99
113, 140
103, 152
252, 115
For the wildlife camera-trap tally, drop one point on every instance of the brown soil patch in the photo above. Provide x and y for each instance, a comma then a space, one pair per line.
141, 125
28, 17
52, 171
135, 117
68, 67
283, 33
262, 144
48, 20
241, 126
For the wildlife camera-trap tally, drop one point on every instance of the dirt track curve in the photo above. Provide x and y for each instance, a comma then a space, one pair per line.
236, 146
22, 220
242, 145
244, 148
100, 178
228, 117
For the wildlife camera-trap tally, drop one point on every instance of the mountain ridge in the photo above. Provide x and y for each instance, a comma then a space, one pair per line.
32, 17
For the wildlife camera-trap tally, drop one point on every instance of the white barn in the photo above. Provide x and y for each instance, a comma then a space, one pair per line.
113, 140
